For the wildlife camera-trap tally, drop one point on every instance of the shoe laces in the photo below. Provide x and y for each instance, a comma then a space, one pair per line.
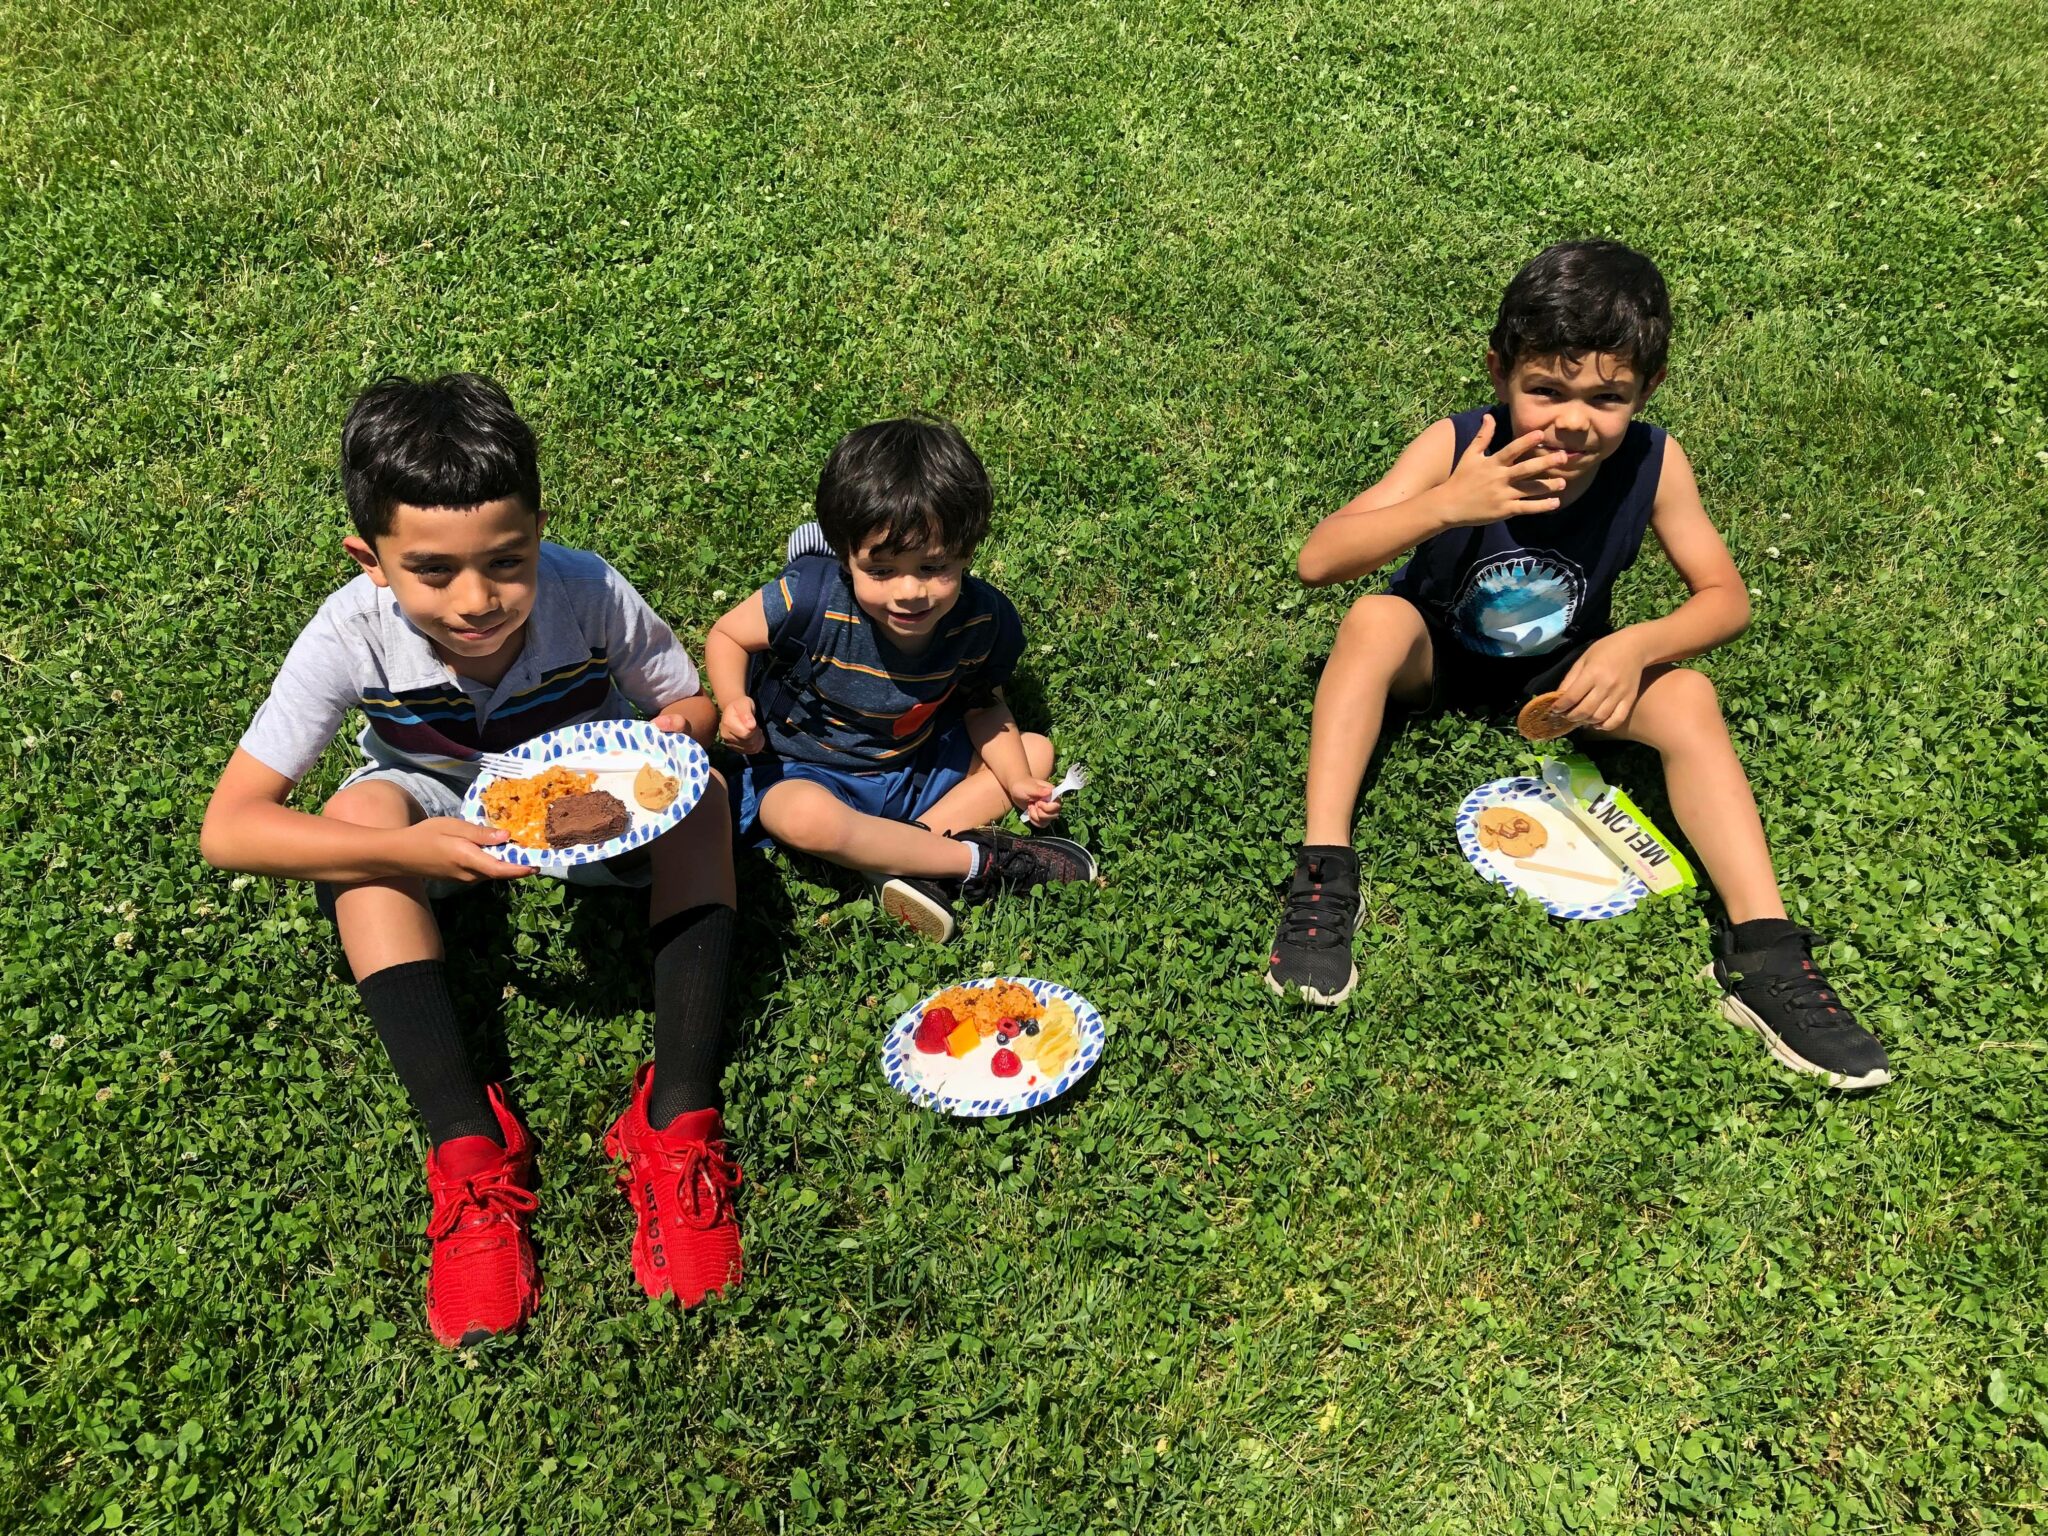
478, 1205
1316, 917
1796, 982
703, 1176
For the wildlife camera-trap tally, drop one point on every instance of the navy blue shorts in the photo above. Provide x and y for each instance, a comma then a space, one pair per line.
902, 792
1466, 682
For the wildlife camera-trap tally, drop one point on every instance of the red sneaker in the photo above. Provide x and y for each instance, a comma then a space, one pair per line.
681, 1183
483, 1279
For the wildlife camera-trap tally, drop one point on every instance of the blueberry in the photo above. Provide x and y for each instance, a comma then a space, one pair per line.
1031, 1028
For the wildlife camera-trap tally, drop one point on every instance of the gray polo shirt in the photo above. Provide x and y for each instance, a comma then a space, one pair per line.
594, 651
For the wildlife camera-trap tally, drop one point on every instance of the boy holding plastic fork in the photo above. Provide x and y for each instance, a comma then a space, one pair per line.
864, 685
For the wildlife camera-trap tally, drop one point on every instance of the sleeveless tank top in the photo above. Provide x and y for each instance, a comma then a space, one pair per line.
1528, 585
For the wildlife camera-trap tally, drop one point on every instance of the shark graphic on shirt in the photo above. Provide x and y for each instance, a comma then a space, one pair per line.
1518, 605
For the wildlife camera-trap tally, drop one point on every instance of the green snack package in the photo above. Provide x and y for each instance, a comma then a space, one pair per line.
1614, 821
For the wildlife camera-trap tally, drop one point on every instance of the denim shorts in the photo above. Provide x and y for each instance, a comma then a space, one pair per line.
897, 793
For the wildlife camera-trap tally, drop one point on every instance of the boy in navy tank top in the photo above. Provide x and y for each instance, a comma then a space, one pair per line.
1517, 518
864, 686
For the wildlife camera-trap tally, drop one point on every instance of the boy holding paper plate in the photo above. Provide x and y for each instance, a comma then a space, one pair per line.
465, 632
1517, 518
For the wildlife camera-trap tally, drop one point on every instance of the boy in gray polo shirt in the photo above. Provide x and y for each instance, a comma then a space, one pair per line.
466, 633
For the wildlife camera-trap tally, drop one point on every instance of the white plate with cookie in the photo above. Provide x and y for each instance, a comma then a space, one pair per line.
1517, 834
597, 790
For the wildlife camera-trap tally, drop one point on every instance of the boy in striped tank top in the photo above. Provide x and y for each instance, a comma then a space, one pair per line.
1517, 518
864, 686
464, 633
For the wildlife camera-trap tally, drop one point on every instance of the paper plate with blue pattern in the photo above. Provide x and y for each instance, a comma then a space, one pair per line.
631, 745
967, 1085
1556, 862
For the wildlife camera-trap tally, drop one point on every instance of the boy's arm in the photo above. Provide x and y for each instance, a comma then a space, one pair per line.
734, 639
997, 736
249, 827
1602, 685
1424, 494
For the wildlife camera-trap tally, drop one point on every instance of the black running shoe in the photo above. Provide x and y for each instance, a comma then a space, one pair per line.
925, 905
1018, 863
1777, 991
1312, 952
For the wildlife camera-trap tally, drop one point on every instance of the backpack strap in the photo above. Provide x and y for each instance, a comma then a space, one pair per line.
780, 678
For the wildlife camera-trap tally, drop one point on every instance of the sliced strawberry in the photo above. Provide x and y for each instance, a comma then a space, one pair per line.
932, 1029
1005, 1064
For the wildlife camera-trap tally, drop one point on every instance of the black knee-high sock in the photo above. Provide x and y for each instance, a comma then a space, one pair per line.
692, 953
415, 1019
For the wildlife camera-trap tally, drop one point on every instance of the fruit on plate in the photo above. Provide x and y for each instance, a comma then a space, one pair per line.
932, 1030
1059, 1036
1005, 1064
963, 1039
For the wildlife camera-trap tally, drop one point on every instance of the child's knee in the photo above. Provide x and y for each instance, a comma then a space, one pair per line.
805, 816
1038, 752
372, 804
1677, 707
1383, 626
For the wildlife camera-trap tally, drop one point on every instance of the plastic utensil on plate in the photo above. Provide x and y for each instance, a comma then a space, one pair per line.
503, 765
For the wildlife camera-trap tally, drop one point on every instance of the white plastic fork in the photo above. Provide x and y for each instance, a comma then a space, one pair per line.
503, 765
1076, 778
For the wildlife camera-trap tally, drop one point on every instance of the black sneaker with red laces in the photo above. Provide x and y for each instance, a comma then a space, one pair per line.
1770, 984
1312, 951
1019, 863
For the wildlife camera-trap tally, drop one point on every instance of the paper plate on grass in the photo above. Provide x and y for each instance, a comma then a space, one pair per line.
619, 748
1517, 834
966, 1084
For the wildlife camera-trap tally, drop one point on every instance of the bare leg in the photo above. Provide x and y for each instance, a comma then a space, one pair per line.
1678, 714
1382, 650
382, 922
692, 861
807, 816
978, 799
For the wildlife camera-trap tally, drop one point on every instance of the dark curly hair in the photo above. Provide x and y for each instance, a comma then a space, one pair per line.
1586, 296
912, 481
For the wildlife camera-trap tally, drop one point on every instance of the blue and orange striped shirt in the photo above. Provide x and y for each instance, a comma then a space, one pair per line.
831, 689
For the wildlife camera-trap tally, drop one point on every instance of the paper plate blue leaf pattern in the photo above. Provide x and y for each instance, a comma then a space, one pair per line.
633, 742
899, 1057
1626, 892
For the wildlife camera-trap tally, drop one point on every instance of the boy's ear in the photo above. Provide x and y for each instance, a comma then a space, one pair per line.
364, 553
1650, 388
1497, 373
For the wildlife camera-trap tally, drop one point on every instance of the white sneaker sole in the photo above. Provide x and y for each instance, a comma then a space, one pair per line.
1310, 994
911, 907
1735, 1011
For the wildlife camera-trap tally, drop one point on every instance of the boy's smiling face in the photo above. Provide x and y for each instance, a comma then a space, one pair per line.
464, 576
1581, 406
906, 591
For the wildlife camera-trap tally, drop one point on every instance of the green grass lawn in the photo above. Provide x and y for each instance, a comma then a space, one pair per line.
1525, 1239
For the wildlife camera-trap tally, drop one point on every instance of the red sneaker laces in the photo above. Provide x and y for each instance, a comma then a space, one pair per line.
705, 1178
485, 1201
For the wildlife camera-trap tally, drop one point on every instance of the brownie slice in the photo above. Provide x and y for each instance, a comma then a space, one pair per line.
595, 817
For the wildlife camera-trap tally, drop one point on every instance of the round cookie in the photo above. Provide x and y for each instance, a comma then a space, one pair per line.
1540, 719
1515, 833
655, 790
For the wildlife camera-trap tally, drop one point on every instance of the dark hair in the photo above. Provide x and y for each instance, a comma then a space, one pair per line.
1586, 296
454, 441
913, 481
